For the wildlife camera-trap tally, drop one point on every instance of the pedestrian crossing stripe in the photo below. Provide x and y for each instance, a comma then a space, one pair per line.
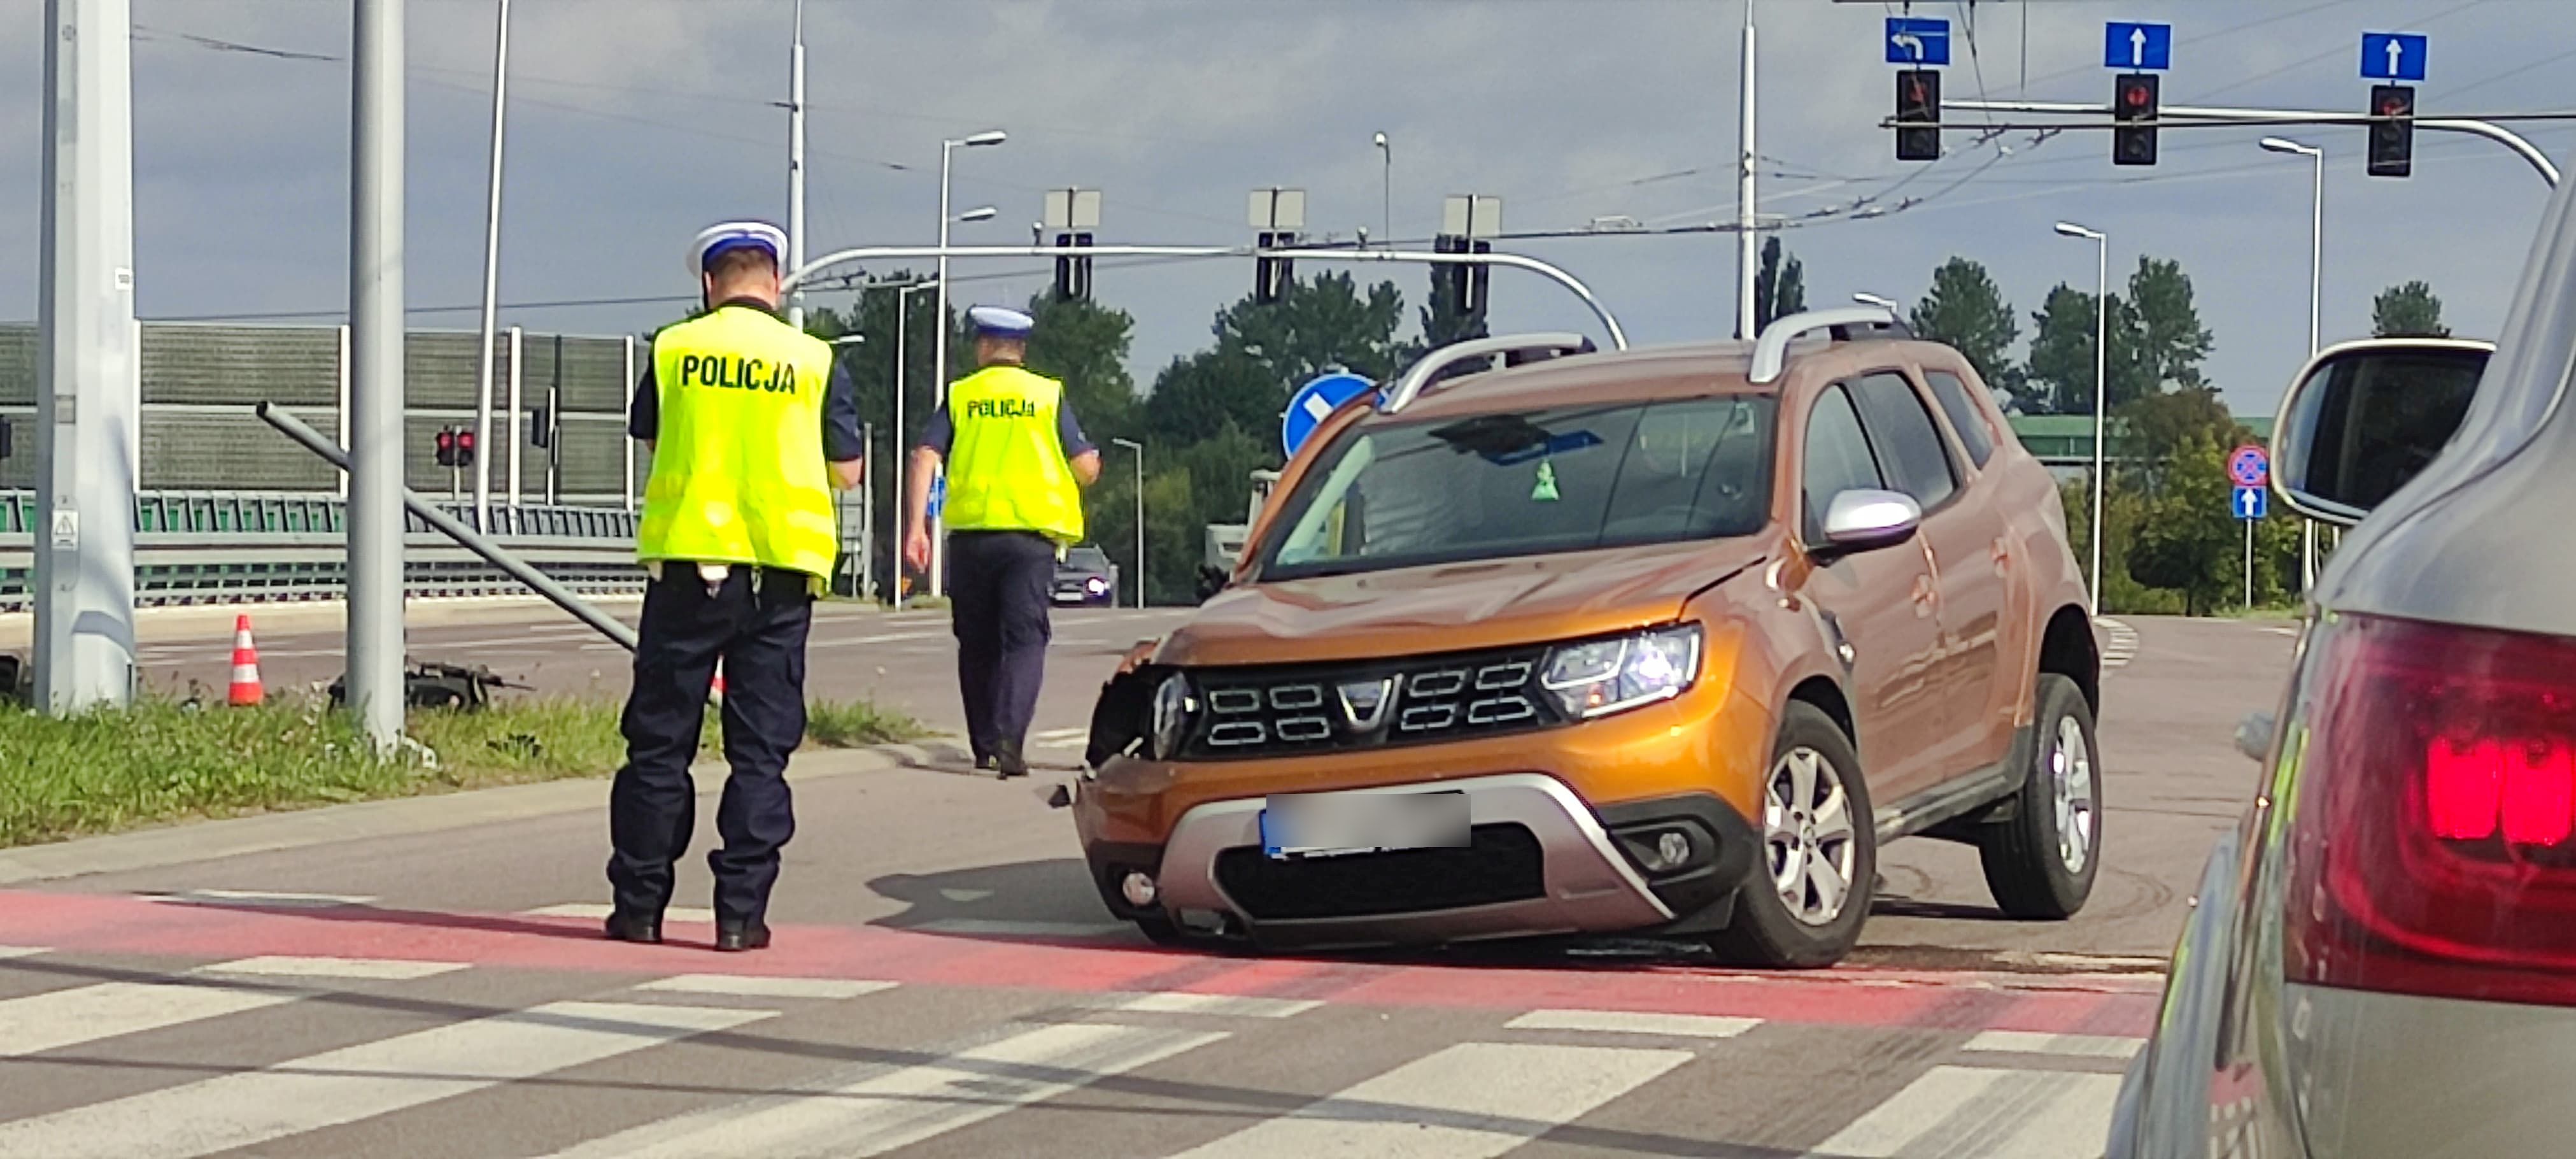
599, 911
1475, 1100
1992, 1114
60, 1018
1634, 1022
755, 986
348, 969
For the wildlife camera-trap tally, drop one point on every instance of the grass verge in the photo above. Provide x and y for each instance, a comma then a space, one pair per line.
161, 761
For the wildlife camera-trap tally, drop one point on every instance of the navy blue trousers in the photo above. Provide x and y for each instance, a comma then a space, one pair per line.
998, 587
757, 623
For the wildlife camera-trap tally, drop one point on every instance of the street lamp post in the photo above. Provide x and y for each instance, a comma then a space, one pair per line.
2316, 282
902, 327
939, 357
1386, 192
868, 482
483, 357
2101, 384
1139, 448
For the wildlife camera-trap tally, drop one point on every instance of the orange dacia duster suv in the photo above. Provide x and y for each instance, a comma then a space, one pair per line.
1657, 641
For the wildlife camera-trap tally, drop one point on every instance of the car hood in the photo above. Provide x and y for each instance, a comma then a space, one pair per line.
1454, 607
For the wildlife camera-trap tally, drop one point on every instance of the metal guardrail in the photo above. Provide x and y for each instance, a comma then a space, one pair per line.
200, 547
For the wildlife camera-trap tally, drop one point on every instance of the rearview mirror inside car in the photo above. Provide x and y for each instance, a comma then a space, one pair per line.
2368, 417
1866, 520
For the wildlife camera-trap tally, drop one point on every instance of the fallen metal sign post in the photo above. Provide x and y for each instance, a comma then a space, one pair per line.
805, 274
466, 537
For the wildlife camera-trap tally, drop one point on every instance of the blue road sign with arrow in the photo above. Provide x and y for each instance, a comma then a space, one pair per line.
1315, 402
2394, 55
2253, 503
1918, 40
2137, 46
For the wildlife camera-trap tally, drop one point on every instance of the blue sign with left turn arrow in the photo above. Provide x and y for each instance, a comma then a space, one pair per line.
1918, 40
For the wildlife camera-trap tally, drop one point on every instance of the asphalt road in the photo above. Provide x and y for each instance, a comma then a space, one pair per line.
946, 985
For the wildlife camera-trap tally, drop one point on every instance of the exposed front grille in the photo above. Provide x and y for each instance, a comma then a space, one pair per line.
1258, 712
1502, 863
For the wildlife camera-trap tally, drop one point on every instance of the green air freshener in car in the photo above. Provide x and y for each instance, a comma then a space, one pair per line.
1544, 491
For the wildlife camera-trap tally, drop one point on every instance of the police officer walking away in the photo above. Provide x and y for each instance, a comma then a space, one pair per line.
1017, 463
752, 425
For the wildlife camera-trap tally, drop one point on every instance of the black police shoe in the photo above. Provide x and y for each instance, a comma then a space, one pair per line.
733, 939
1008, 761
634, 927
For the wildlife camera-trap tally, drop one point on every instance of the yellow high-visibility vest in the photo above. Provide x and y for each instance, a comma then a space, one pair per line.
738, 472
1006, 465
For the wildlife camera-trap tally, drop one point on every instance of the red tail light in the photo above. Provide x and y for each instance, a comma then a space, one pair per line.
2434, 849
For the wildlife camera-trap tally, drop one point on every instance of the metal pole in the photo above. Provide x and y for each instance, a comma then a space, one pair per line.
796, 163
2249, 565
2521, 147
1609, 322
1386, 192
491, 275
375, 648
868, 514
1747, 256
939, 359
2316, 287
2101, 398
513, 435
630, 437
88, 448
1138, 447
902, 325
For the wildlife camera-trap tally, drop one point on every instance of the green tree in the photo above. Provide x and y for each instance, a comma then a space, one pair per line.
1443, 322
1085, 345
1967, 311
2061, 370
1779, 286
2190, 541
2410, 310
2157, 340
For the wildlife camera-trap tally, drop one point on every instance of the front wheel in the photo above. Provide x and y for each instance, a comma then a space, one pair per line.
1804, 907
2040, 863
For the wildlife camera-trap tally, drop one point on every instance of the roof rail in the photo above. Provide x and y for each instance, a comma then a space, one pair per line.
1418, 376
1844, 324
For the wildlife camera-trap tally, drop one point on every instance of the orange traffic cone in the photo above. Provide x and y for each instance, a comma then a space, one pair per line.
718, 691
246, 691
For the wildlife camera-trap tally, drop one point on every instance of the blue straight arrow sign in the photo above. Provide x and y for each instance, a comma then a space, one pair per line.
2253, 503
2138, 47
1918, 40
2394, 55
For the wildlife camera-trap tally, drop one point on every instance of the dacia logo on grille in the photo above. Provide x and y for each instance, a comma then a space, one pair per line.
1364, 702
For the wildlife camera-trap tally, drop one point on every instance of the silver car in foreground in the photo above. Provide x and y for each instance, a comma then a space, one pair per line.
2381, 959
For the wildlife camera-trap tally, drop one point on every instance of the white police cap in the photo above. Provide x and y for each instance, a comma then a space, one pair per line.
999, 322
732, 235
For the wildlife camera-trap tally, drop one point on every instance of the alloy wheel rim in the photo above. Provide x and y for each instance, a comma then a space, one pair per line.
1808, 836
2070, 776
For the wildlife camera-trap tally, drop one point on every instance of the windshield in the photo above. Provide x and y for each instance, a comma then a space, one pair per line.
1087, 559
1527, 483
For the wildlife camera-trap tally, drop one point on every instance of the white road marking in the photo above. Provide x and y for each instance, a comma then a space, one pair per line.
60, 1018
2120, 643
8, 952
752, 986
979, 927
1628, 1022
890, 1108
1474, 1100
2076, 1045
1062, 733
363, 969
253, 897
1991, 1114
359, 1082
600, 910
1176, 1002
883, 638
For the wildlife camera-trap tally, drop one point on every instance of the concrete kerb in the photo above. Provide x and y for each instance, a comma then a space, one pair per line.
181, 844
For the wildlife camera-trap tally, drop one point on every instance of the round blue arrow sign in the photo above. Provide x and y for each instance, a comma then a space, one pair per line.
1315, 402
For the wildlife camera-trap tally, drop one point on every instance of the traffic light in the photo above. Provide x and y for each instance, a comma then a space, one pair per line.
1453, 278
2392, 141
464, 448
1271, 276
1918, 102
541, 432
447, 446
1072, 274
1472, 303
2133, 100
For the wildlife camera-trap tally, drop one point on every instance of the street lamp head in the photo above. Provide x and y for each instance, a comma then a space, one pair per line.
1130, 444
2070, 229
1381, 141
2285, 145
849, 340
979, 213
1875, 300
987, 137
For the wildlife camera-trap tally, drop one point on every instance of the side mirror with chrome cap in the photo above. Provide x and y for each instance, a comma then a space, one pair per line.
1866, 519
2366, 417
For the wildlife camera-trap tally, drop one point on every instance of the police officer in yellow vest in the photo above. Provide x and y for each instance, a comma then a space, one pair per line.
1017, 463
752, 426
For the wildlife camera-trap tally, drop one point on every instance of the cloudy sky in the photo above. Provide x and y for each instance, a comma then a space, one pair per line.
633, 123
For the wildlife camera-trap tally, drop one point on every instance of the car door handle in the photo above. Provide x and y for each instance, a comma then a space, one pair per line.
2003, 556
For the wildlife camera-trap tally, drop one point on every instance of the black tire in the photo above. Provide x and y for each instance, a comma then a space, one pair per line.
2027, 863
1162, 930
1763, 931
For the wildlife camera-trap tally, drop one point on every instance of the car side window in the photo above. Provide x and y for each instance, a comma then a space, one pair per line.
1909, 446
1838, 459
1964, 416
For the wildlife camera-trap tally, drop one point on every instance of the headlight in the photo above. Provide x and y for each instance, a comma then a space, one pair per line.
1173, 705
1097, 584
1606, 676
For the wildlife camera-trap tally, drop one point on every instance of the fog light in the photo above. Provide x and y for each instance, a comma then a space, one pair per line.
1671, 850
1138, 889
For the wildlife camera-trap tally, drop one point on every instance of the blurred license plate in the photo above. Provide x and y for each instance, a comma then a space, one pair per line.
1334, 824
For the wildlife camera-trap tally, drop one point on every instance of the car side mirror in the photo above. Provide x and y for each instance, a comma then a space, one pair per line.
1211, 581
1864, 519
2366, 418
